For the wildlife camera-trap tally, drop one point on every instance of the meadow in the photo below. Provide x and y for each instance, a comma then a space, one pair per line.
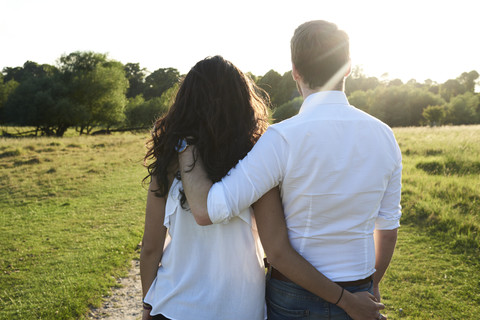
71, 213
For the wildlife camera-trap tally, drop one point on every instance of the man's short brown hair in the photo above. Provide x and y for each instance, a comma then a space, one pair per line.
319, 51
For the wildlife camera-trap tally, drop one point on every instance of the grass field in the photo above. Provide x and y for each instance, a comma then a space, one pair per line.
71, 212
435, 272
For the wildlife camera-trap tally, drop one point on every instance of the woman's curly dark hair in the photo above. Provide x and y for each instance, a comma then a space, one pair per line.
220, 110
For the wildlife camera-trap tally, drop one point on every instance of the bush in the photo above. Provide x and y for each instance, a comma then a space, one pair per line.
287, 110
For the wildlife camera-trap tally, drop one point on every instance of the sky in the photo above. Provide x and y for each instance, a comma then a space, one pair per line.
419, 39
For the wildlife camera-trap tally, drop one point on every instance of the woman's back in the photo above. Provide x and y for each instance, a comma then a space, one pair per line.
213, 272
208, 272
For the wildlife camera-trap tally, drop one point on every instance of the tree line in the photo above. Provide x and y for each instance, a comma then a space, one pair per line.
88, 91
396, 103
85, 91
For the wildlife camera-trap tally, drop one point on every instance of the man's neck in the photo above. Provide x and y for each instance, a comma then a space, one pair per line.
305, 90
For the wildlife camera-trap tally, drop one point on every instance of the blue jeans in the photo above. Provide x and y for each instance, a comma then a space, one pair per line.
286, 300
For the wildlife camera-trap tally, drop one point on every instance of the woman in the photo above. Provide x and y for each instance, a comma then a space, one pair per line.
213, 272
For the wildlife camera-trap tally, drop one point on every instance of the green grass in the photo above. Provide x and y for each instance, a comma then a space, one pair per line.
435, 271
71, 213
428, 280
441, 185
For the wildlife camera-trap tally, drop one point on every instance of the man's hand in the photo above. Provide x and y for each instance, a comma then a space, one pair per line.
362, 306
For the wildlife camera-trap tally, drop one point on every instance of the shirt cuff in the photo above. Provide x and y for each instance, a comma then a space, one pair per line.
384, 224
217, 207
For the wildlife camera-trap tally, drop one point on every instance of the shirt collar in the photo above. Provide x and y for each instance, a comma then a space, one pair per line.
322, 98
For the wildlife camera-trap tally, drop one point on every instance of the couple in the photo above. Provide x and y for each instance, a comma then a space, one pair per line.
321, 190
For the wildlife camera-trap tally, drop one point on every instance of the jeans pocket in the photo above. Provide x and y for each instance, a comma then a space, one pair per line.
276, 312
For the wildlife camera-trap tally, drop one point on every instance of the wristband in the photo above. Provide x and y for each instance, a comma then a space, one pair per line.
341, 295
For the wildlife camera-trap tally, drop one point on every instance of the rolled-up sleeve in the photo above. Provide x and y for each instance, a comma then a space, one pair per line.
262, 169
390, 207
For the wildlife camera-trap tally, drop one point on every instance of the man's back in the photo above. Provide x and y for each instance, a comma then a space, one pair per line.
339, 163
340, 175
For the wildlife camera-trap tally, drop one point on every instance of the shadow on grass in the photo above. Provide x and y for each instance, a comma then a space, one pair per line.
450, 167
13, 153
18, 163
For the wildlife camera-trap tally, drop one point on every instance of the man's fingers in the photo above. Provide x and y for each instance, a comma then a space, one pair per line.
371, 296
380, 306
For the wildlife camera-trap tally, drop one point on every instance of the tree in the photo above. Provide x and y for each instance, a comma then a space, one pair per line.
41, 102
287, 89
451, 88
358, 81
361, 99
395, 82
401, 105
79, 62
29, 70
415, 84
159, 81
39, 98
253, 77
462, 109
6, 89
136, 79
108, 86
388, 105
168, 97
417, 100
270, 82
432, 86
142, 114
287, 110
15, 73
96, 89
467, 79
134, 113
434, 115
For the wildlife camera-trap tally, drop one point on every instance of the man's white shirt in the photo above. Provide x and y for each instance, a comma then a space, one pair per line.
339, 172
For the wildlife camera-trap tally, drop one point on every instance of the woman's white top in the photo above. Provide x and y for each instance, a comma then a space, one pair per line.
208, 272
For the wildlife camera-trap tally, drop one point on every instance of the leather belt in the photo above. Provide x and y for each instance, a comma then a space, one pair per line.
275, 274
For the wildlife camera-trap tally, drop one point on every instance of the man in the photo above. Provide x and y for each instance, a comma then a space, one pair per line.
339, 171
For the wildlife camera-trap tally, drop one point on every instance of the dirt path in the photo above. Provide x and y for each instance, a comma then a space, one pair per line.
125, 302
